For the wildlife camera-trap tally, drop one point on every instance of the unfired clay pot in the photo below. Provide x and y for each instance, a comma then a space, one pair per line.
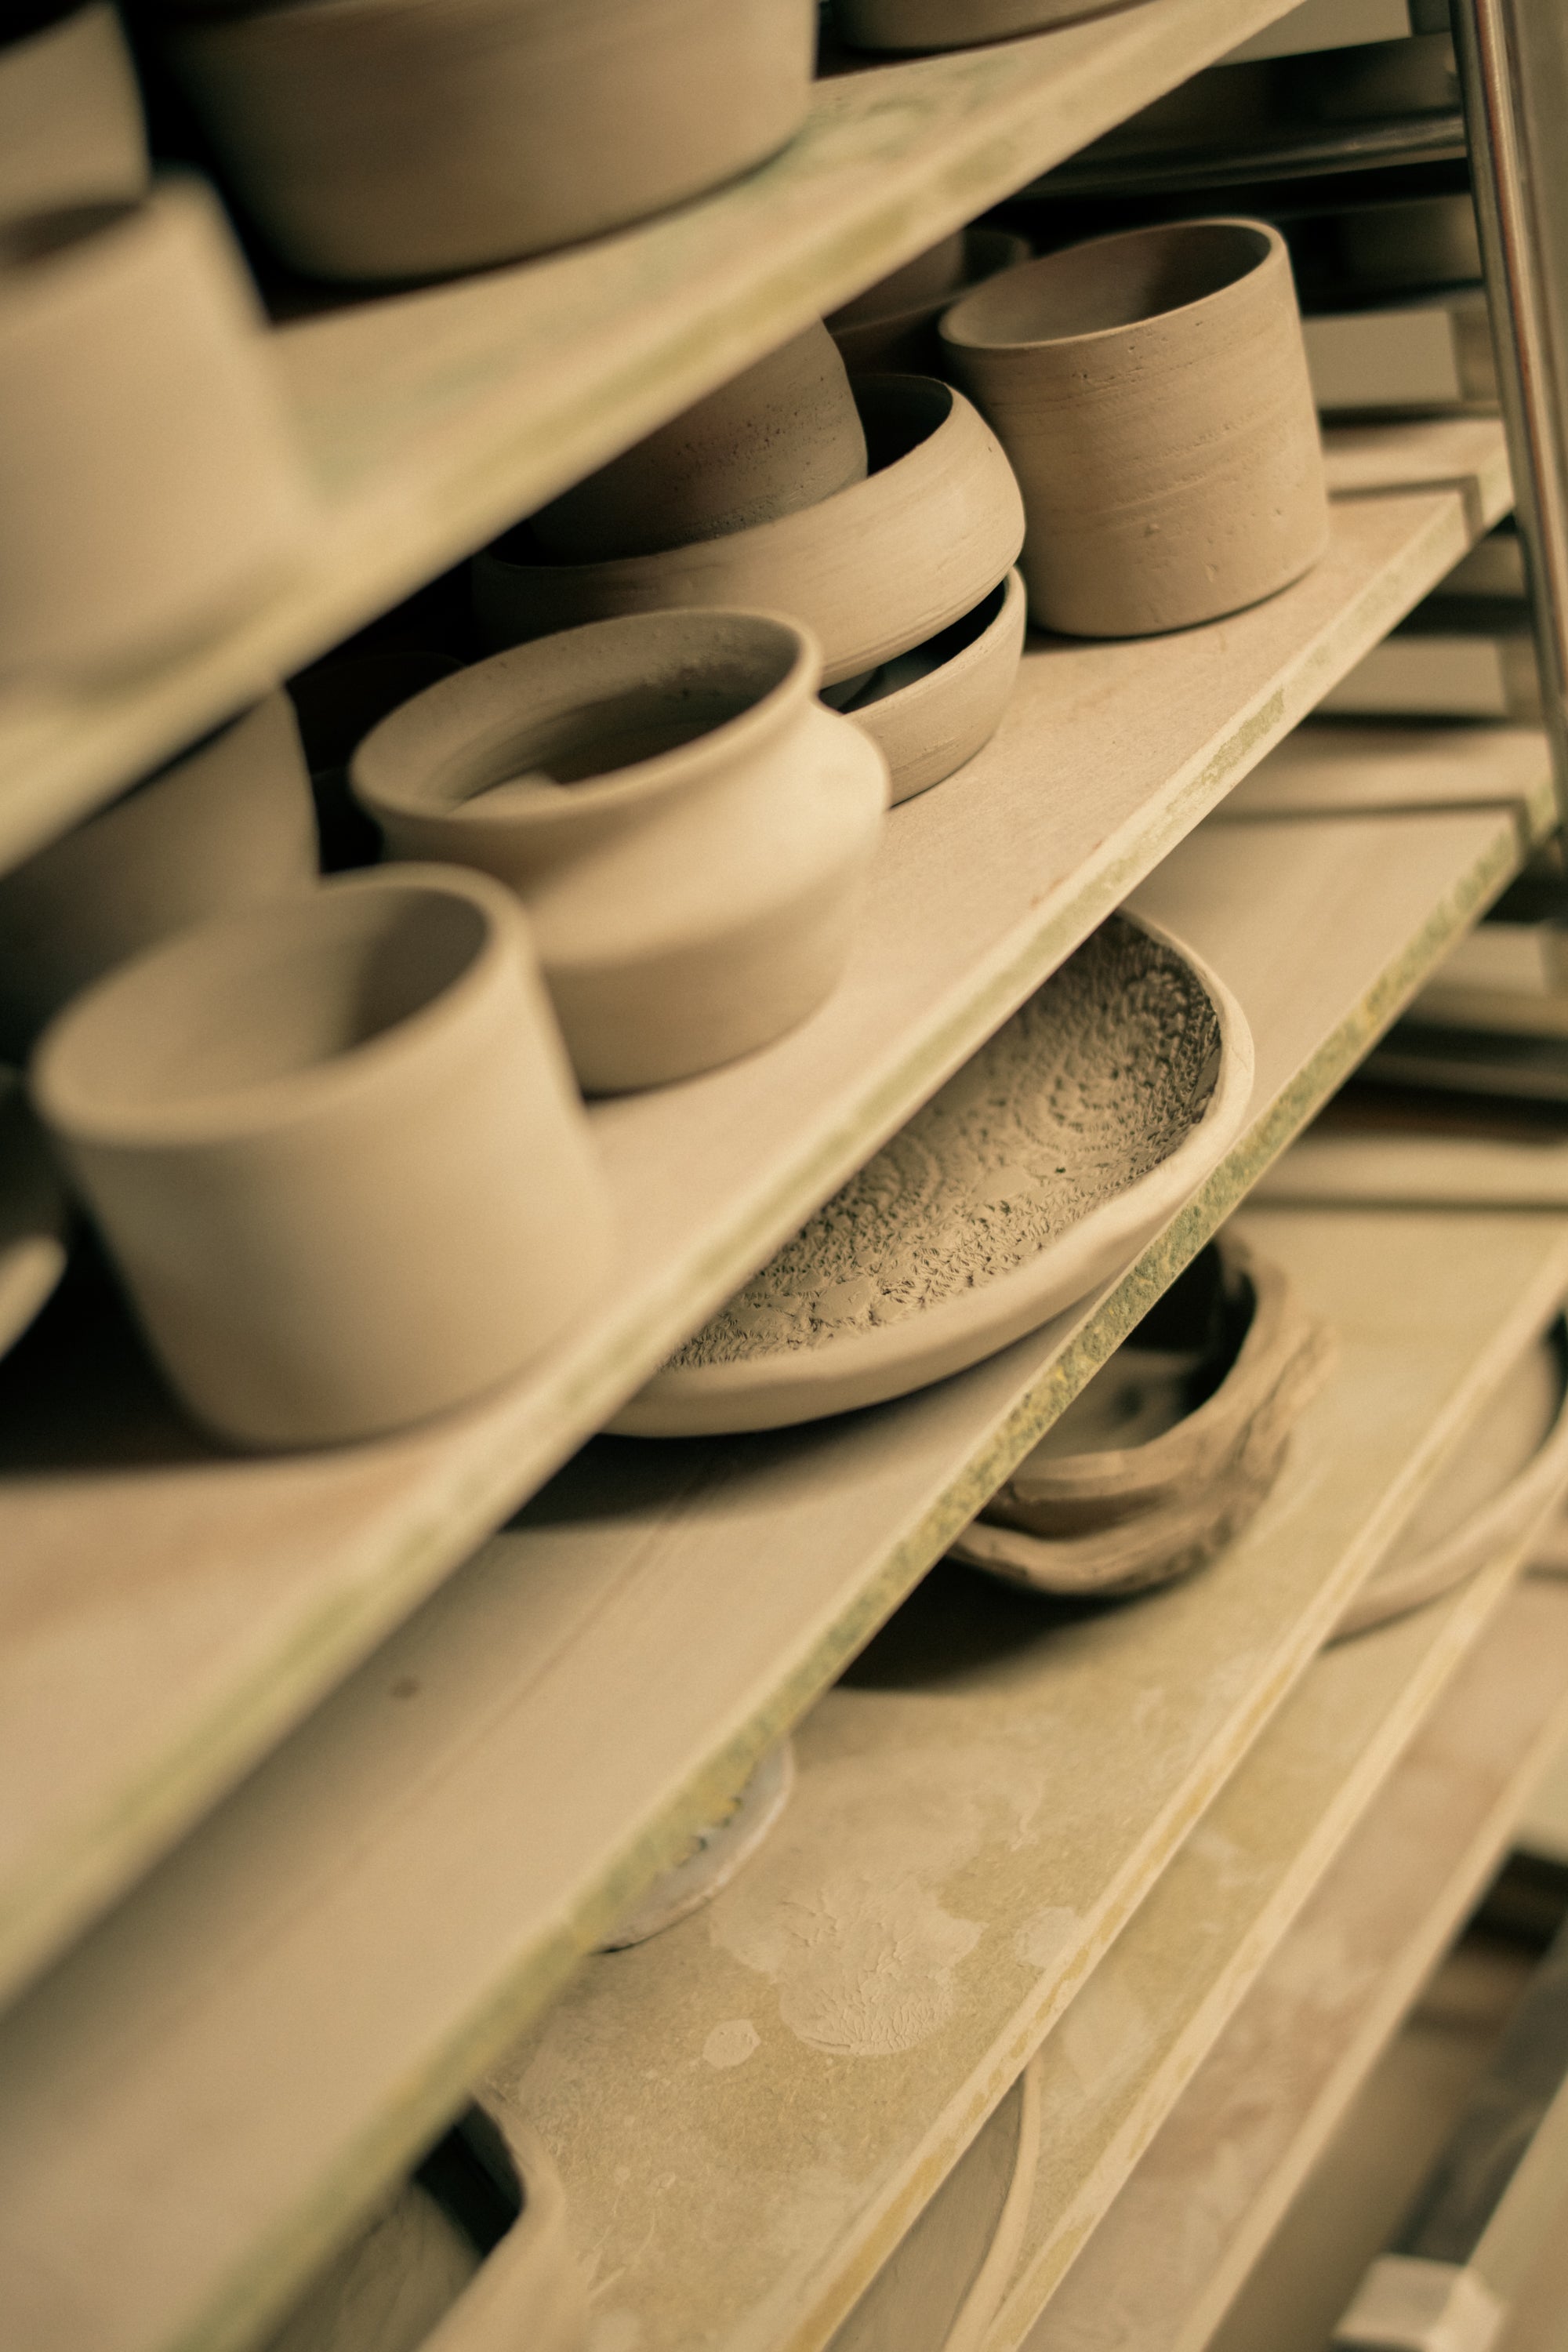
70, 116
147, 477
955, 24
405, 138
228, 825
1151, 391
690, 831
782, 434
893, 325
930, 710
335, 1150
877, 569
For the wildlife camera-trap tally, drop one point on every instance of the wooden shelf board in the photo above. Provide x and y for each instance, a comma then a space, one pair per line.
432, 419
272, 2024
192, 1607
1166, 2261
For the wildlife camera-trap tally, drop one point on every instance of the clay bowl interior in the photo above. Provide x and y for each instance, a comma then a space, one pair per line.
1112, 283
932, 708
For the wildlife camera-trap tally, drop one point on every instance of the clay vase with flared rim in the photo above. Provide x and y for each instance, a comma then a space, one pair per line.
871, 572
690, 831
334, 1148
1152, 392
226, 825
930, 710
955, 24
407, 138
149, 483
783, 435
70, 115
892, 327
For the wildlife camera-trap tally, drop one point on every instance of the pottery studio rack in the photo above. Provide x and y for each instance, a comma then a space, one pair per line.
320, 1789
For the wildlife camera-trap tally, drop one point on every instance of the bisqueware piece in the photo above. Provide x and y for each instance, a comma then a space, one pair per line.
931, 709
224, 826
690, 831
955, 24
1033, 1175
334, 1148
719, 1849
1501, 1478
337, 703
893, 325
1152, 392
783, 435
147, 477
407, 138
871, 572
1170, 1451
35, 1220
70, 115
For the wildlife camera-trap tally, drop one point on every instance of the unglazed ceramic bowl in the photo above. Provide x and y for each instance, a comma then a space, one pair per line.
1036, 1172
892, 327
930, 710
148, 479
955, 24
783, 435
877, 569
690, 831
407, 138
1152, 392
334, 1148
227, 825
70, 116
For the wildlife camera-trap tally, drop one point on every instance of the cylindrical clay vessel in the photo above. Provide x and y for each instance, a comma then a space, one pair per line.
690, 830
335, 1150
1152, 392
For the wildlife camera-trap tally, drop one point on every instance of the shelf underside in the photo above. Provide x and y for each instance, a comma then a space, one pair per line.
191, 1608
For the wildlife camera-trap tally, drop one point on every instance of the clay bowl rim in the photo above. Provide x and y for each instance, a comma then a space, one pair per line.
1014, 603
935, 306
718, 749
1274, 251
291, 1098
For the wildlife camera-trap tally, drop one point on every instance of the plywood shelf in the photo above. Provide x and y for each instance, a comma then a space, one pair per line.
190, 1607
1164, 2262
271, 2023
432, 419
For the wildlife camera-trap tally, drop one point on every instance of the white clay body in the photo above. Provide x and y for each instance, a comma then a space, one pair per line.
70, 117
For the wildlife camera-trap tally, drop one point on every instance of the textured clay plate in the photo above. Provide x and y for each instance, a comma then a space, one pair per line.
1040, 1170
34, 1216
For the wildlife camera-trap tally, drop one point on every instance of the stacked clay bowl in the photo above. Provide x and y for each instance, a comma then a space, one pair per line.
891, 329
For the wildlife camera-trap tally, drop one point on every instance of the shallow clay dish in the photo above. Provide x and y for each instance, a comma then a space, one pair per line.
931, 709
1170, 1449
719, 1850
1503, 1478
35, 1219
893, 325
955, 24
1036, 1172
877, 569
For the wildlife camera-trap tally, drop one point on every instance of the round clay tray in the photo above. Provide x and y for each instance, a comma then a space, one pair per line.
1040, 1169
717, 1852
876, 569
930, 710
903, 333
34, 1215
1501, 1477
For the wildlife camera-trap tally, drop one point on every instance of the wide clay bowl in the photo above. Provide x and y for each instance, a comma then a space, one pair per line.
405, 138
690, 830
877, 569
1036, 1173
892, 327
955, 24
931, 709
1152, 392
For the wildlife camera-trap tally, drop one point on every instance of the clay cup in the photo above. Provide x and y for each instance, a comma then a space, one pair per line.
1152, 392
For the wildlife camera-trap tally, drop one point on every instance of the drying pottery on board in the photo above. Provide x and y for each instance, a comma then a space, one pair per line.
1152, 392
1500, 1481
719, 1849
783, 435
1169, 1450
70, 115
225, 826
893, 325
407, 138
1033, 1175
337, 702
872, 571
955, 24
334, 1146
942, 2286
690, 830
148, 482
932, 708
35, 1219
